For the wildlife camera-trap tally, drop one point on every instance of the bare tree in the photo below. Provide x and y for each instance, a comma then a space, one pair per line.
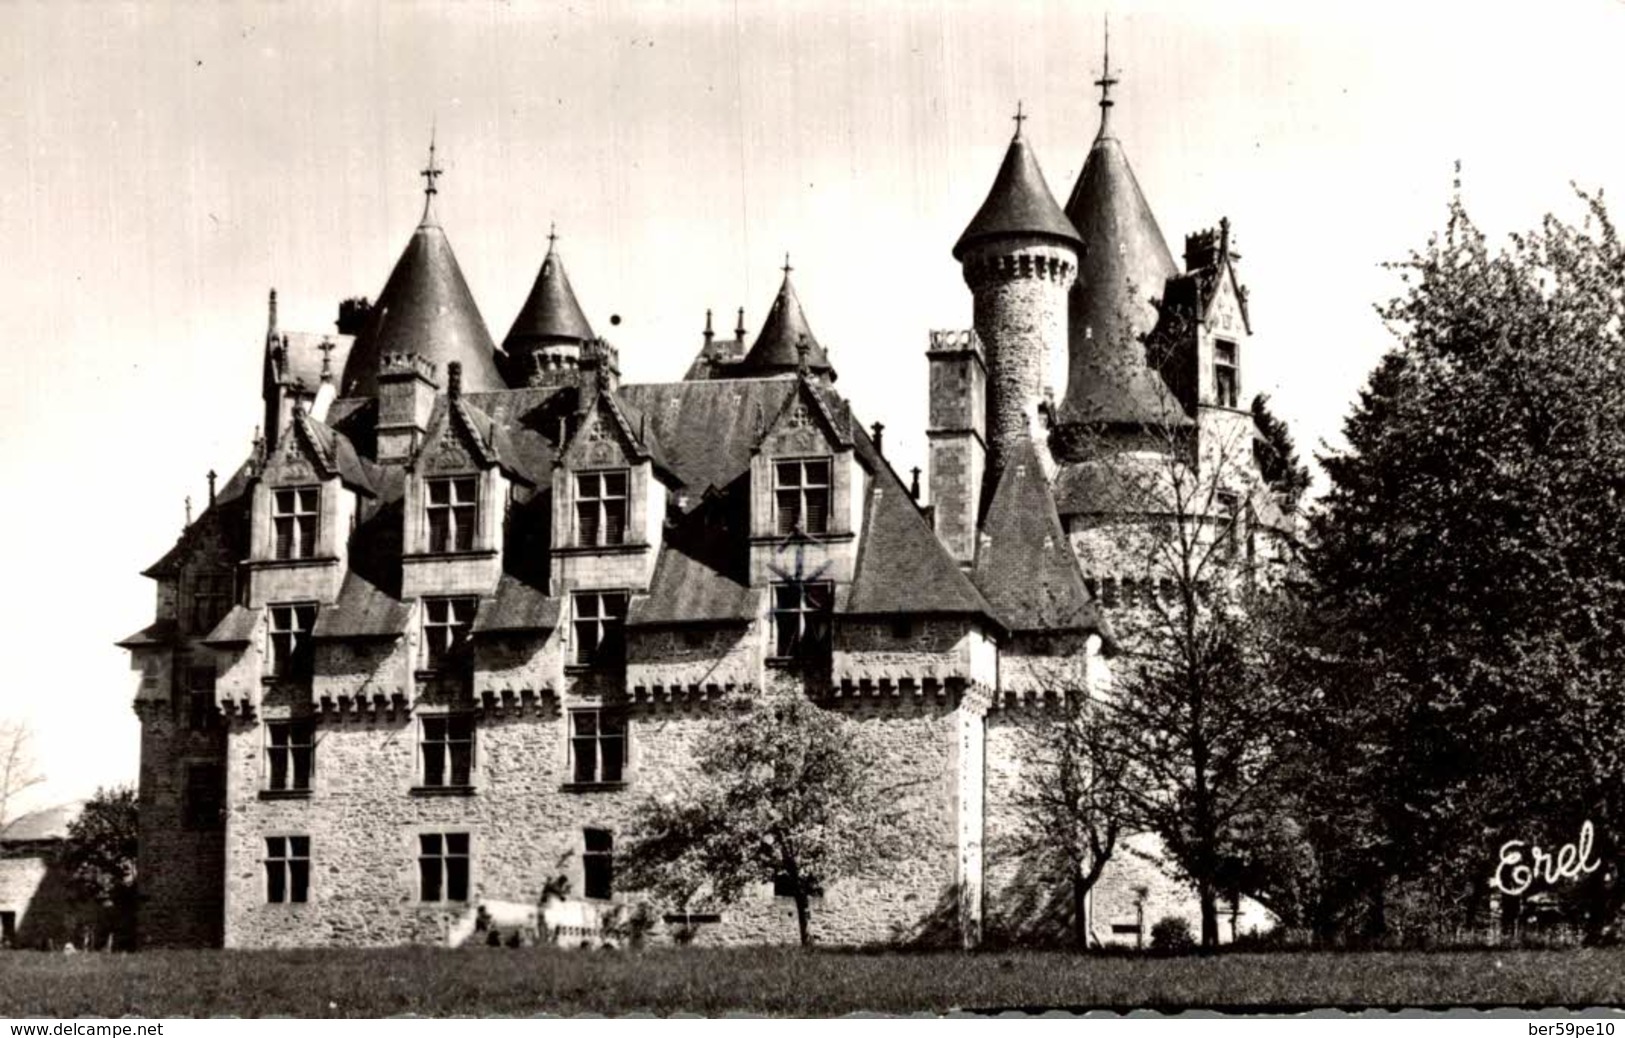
18, 768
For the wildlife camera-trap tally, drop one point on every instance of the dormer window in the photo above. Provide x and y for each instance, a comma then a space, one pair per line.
601, 508
294, 512
801, 496
445, 630
1226, 375
801, 620
452, 512
292, 651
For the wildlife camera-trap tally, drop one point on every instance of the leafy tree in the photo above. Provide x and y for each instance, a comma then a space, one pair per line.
783, 795
18, 770
1277, 456
100, 855
1470, 553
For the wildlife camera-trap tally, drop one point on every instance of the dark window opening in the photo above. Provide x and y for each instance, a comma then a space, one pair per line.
446, 622
204, 803
443, 867
448, 751
203, 714
1226, 374
287, 869
601, 508
598, 864
599, 616
452, 513
292, 651
801, 624
211, 600
597, 746
290, 755
294, 513
801, 496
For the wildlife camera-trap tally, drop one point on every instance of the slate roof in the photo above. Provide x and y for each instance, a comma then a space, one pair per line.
516, 606
1125, 264
1019, 204
703, 572
902, 568
227, 517
334, 452
1024, 562
427, 309
707, 430
235, 628
51, 823
551, 313
776, 350
159, 632
362, 611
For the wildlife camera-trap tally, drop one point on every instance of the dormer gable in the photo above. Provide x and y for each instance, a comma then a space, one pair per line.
807, 421
313, 452
611, 488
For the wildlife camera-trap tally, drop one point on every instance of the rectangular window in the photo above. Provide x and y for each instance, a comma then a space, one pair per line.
598, 864
452, 513
801, 620
601, 508
293, 518
445, 630
205, 799
202, 713
290, 755
211, 599
801, 496
287, 869
1228, 518
1226, 376
597, 746
448, 751
599, 616
443, 867
292, 651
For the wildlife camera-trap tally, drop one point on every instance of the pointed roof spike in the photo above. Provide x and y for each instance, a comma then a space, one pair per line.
1019, 204
739, 326
1019, 119
430, 174
551, 313
778, 348
1106, 80
709, 334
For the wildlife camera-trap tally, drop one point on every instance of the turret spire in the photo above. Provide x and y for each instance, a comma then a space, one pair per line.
1019, 119
1106, 80
430, 174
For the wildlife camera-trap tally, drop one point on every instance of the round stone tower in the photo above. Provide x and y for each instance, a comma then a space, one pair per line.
1019, 257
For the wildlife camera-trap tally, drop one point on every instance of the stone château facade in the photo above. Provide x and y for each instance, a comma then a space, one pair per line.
465, 605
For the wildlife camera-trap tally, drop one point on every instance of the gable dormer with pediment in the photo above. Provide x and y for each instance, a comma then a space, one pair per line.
459, 483
807, 490
609, 499
305, 501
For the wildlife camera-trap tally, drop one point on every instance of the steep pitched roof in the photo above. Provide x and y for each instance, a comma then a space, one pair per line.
159, 632
777, 349
902, 569
427, 309
1019, 204
1125, 264
362, 611
333, 452
703, 573
227, 518
517, 606
551, 313
707, 430
235, 628
1024, 561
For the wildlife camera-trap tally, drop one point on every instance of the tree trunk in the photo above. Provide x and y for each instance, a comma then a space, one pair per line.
803, 922
1080, 914
1210, 914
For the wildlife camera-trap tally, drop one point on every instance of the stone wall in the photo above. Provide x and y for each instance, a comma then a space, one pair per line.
46, 909
179, 868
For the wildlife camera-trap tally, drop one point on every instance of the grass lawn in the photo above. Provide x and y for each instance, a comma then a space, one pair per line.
775, 981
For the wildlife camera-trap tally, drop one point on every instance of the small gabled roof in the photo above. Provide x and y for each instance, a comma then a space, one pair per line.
227, 517
487, 440
703, 572
157, 633
516, 606
777, 349
51, 823
1019, 205
902, 569
235, 628
632, 425
831, 409
1024, 562
333, 452
551, 313
363, 610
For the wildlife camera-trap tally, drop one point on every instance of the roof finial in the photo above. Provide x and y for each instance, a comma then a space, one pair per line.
739, 326
552, 234
1020, 118
708, 332
787, 268
1106, 80
429, 174
212, 477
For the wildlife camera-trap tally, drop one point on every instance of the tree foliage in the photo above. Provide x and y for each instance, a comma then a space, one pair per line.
1469, 562
1277, 456
784, 795
100, 856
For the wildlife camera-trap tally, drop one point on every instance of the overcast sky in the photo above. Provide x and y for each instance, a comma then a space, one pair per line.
163, 165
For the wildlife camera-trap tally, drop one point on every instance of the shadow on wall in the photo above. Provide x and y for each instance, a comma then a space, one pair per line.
47, 910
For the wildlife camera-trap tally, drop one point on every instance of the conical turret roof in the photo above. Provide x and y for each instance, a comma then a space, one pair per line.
551, 313
777, 348
1125, 264
427, 309
1019, 204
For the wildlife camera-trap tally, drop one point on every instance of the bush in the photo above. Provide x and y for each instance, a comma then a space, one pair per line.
1172, 934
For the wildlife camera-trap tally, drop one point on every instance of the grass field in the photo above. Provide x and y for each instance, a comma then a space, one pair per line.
775, 981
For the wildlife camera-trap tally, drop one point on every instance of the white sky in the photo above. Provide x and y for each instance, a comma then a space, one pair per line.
162, 165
